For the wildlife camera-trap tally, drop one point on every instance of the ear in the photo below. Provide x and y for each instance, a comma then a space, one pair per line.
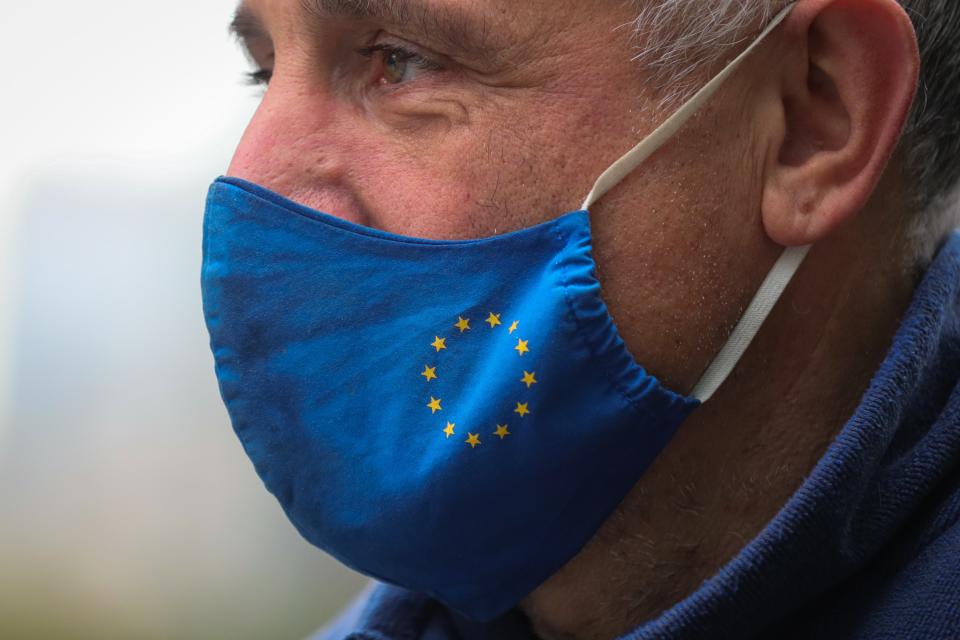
845, 99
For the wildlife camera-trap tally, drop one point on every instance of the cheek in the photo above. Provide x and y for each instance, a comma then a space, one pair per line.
678, 248
488, 178
521, 159
428, 193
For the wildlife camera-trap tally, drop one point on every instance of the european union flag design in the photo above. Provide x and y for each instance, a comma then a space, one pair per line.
464, 342
456, 418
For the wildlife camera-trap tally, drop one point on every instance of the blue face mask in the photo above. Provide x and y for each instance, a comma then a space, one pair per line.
456, 418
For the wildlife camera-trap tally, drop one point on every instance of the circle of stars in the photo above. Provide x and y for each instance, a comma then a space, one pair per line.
529, 378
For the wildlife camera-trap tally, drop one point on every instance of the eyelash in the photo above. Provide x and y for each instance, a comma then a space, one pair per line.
262, 77
258, 78
402, 54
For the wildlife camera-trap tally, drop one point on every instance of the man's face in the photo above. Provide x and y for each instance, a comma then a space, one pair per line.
454, 119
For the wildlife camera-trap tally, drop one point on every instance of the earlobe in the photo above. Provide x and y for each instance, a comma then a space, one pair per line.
843, 110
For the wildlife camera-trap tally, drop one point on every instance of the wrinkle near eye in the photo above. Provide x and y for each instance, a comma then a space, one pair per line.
420, 120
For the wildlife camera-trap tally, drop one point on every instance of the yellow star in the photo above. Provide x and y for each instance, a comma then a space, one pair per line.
529, 379
439, 344
514, 326
522, 347
430, 373
463, 325
434, 405
502, 431
493, 320
523, 409
450, 430
473, 440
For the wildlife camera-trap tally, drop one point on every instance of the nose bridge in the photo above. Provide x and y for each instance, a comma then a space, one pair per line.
290, 145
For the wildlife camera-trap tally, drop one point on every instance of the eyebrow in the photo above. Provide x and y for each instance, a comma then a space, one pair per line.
452, 28
245, 25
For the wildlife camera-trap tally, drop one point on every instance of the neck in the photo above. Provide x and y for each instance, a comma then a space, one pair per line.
740, 457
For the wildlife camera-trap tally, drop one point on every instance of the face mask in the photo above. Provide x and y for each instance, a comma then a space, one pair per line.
455, 418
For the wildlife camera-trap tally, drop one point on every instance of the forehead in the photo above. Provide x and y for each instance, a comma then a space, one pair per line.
494, 21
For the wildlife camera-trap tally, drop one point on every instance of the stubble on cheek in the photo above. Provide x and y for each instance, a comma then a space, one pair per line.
504, 173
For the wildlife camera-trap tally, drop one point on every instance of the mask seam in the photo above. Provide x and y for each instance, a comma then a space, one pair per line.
315, 216
617, 385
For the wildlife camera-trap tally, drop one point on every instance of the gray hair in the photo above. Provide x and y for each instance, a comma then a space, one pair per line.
678, 38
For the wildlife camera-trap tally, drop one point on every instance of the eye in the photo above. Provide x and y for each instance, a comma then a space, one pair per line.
397, 65
258, 78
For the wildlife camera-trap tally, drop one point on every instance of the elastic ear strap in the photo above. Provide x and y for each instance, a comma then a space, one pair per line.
756, 314
649, 145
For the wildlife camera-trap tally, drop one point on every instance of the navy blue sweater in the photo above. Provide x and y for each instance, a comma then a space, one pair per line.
867, 548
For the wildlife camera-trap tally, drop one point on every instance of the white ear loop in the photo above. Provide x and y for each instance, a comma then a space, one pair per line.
649, 145
782, 272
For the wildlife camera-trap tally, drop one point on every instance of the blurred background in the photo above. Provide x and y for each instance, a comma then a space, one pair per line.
127, 506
